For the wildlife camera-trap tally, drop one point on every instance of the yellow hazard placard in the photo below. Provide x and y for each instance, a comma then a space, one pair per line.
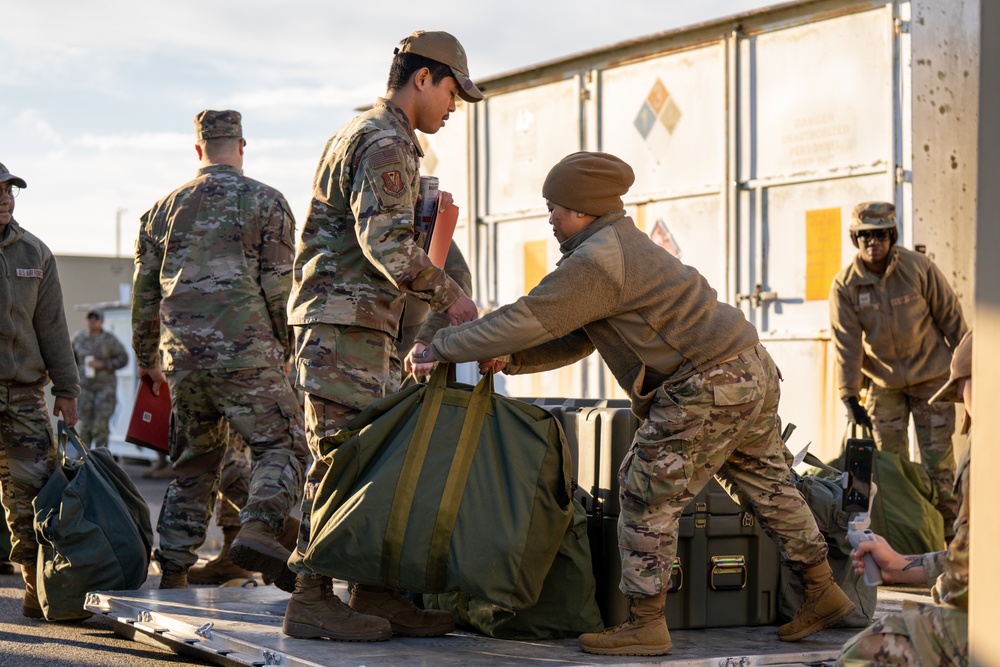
823, 238
535, 263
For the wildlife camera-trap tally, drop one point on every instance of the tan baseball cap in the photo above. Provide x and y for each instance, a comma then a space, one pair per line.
211, 124
444, 48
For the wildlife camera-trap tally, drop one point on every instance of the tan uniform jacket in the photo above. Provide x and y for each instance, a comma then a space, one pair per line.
652, 318
898, 329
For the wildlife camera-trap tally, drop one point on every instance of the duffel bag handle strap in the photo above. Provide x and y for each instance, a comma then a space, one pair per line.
458, 477
406, 485
66, 435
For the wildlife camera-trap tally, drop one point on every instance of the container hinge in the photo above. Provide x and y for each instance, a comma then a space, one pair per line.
903, 175
901, 26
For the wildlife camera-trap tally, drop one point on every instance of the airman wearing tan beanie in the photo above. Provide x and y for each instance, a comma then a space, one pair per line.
589, 182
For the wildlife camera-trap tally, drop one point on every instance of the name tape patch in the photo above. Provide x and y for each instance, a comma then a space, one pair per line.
29, 273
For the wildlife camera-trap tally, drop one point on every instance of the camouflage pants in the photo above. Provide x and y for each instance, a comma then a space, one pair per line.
354, 368
259, 404
95, 407
723, 421
27, 459
920, 634
234, 482
890, 412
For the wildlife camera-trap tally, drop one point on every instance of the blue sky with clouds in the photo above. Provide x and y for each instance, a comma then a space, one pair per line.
98, 96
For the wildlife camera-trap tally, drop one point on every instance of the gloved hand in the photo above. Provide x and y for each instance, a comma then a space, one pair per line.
856, 413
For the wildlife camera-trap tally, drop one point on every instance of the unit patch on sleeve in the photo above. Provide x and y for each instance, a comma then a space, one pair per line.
392, 183
29, 273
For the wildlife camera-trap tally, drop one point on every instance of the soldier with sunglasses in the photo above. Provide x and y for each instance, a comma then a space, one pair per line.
896, 322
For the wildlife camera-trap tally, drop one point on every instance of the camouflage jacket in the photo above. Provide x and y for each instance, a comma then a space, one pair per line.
356, 258
652, 318
104, 347
948, 571
419, 322
34, 338
212, 274
897, 329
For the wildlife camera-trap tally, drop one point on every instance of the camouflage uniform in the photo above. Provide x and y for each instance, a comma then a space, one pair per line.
29, 358
355, 263
98, 394
924, 634
213, 268
695, 371
898, 330
234, 482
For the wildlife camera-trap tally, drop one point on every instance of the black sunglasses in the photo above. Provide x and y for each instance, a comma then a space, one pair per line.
877, 234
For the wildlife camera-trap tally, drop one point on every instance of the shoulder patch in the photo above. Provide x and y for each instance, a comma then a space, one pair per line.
29, 273
392, 183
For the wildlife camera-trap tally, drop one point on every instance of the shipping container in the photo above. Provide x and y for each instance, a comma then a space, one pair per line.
752, 138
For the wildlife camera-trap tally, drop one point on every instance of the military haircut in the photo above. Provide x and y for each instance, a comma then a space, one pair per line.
219, 146
405, 65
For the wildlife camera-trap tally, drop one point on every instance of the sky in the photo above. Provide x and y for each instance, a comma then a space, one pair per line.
98, 97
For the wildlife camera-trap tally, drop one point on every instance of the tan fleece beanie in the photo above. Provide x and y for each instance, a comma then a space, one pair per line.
591, 183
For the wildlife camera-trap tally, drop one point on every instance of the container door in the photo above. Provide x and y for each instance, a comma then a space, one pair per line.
816, 120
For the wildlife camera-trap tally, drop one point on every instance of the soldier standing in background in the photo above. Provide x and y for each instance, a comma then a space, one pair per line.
355, 263
213, 272
30, 357
98, 355
896, 321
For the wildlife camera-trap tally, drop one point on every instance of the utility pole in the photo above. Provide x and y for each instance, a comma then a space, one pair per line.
118, 232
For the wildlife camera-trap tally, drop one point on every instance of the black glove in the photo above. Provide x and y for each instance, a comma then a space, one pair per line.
856, 414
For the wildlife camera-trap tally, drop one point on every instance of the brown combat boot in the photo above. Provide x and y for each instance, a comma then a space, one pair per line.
220, 569
257, 549
315, 612
644, 632
173, 580
825, 604
405, 617
31, 607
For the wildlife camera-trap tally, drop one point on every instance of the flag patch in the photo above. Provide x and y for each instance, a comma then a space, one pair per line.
384, 158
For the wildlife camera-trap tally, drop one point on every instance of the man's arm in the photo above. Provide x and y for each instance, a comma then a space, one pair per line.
846, 333
146, 296
276, 259
382, 200
945, 308
119, 356
52, 334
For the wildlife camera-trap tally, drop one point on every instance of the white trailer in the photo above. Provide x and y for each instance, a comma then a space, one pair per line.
752, 138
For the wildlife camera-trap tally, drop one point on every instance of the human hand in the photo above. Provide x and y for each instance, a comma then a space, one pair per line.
96, 364
444, 200
463, 310
896, 568
856, 413
413, 363
155, 374
495, 365
65, 409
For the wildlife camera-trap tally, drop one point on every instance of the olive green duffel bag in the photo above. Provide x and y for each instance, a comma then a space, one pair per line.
567, 606
445, 487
